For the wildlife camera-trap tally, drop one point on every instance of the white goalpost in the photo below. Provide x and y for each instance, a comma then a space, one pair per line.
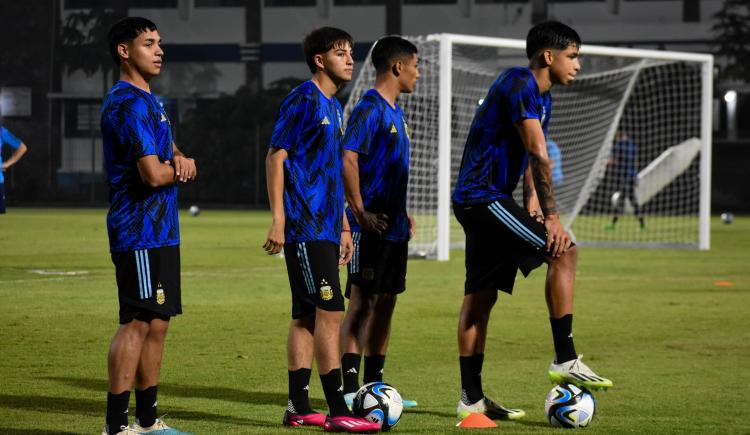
661, 99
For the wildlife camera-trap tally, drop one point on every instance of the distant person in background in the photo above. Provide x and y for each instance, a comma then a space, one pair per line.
19, 149
625, 169
553, 151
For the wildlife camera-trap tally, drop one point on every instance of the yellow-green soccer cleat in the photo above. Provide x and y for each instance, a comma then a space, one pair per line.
158, 428
577, 373
489, 408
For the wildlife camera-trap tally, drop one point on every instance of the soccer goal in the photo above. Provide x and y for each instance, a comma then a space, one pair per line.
661, 99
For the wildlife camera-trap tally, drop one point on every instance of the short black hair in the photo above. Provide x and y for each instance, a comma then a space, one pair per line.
550, 34
321, 40
125, 31
389, 49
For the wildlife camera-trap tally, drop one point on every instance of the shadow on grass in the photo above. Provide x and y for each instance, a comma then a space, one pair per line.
9, 431
427, 411
96, 408
194, 391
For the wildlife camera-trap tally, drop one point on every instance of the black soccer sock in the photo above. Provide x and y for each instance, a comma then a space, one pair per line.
562, 334
117, 411
614, 220
333, 391
477, 361
471, 386
350, 368
145, 406
299, 387
642, 222
373, 368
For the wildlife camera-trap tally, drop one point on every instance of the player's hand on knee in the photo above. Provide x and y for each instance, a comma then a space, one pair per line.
537, 215
558, 240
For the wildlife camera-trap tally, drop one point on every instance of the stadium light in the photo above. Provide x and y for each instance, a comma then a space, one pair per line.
730, 97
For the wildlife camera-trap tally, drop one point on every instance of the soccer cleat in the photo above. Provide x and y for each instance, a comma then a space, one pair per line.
577, 373
408, 403
489, 408
345, 423
295, 420
124, 430
158, 428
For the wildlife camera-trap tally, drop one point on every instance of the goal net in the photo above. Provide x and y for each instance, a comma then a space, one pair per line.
660, 100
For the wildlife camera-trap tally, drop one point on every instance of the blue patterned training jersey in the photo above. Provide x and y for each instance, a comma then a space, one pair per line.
494, 156
379, 133
309, 128
7, 138
135, 125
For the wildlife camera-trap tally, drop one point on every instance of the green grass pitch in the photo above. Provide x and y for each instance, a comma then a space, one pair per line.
676, 344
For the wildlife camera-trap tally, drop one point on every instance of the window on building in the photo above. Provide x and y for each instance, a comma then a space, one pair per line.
288, 3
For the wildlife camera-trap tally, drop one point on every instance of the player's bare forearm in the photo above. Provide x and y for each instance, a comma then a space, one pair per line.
351, 182
154, 172
540, 164
531, 200
541, 170
372, 222
275, 184
15, 156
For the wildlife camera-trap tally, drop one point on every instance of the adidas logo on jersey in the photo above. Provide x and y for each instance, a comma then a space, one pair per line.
325, 121
163, 118
393, 128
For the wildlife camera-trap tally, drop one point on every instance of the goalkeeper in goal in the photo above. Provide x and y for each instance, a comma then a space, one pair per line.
506, 140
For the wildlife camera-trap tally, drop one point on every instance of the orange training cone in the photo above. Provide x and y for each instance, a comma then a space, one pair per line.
476, 421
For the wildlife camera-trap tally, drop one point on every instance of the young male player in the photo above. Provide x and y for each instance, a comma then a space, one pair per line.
19, 149
506, 139
306, 194
376, 174
143, 167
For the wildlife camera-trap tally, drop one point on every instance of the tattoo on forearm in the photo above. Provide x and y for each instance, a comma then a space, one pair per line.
542, 173
528, 190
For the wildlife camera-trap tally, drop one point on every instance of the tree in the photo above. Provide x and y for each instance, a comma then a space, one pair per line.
83, 42
732, 36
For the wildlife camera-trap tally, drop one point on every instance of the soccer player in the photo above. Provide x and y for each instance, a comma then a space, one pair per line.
506, 140
19, 149
376, 174
306, 193
625, 168
143, 168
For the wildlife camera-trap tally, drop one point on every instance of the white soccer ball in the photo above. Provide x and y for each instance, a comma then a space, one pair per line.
616, 199
569, 406
727, 217
194, 210
379, 403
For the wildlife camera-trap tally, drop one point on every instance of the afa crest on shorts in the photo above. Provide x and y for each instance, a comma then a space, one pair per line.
326, 293
160, 297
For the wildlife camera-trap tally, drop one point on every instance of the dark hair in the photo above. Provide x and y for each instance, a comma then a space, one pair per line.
550, 34
126, 30
389, 49
321, 40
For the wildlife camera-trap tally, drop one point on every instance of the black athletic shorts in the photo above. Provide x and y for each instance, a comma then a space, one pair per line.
148, 283
501, 238
378, 265
313, 269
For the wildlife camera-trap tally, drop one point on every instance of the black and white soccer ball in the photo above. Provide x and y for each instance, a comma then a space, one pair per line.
194, 210
727, 217
569, 406
379, 403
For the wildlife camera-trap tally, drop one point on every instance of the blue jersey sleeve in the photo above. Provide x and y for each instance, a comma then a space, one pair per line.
294, 115
361, 128
523, 98
8, 138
